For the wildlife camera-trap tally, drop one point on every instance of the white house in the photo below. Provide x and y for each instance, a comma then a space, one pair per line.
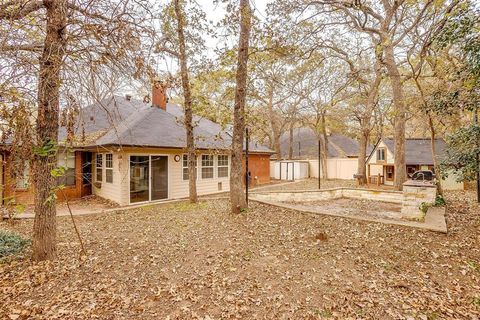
418, 156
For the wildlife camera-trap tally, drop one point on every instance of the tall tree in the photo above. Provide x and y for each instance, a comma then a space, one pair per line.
237, 198
44, 228
389, 23
187, 96
75, 35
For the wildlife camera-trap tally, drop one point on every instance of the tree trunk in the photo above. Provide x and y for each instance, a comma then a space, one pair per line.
237, 198
274, 126
290, 142
434, 152
362, 156
45, 158
366, 126
192, 179
324, 154
399, 110
277, 146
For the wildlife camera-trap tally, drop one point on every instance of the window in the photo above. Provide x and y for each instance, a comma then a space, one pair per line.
185, 167
207, 166
390, 173
24, 177
66, 159
99, 166
222, 166
109, 168
381, 154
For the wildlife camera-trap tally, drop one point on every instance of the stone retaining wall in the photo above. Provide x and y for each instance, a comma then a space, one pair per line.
330, 194
414, 194
411, 198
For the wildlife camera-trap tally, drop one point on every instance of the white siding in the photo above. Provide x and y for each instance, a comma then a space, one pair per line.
119, 190
110, 191
179, 187
373, 159
376, 169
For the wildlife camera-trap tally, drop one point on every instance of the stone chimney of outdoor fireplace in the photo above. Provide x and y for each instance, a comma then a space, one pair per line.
159, 95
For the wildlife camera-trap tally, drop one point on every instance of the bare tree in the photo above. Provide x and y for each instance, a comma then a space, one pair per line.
182, 57
73, 33
237, 198
390, 24
366, 84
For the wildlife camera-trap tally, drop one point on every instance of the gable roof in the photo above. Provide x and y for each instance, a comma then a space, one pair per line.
118, 121
305, 145
418, 150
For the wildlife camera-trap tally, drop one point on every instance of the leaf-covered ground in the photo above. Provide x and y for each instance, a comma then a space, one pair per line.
199, 262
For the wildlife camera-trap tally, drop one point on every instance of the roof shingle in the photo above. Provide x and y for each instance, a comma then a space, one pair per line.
118, 121
305, 145
418, 150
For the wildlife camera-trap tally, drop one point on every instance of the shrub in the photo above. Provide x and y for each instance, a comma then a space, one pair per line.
11, 244
424, 206
439, 201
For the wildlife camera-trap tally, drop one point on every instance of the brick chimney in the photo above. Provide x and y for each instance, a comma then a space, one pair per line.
159, 96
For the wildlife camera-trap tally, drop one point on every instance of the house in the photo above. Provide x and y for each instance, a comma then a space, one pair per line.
342, 156
305, 145
131, 151
418, 156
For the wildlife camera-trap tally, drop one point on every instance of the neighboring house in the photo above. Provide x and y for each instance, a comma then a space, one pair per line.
305, 145
418, 156
129, 151
342, 156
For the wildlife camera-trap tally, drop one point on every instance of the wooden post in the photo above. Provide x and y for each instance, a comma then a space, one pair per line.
367, 178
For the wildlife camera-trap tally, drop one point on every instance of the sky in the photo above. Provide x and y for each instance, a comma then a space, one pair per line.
215, 13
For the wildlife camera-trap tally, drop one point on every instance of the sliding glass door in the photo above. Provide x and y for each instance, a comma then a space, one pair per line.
139, 178
159, 177
148, 178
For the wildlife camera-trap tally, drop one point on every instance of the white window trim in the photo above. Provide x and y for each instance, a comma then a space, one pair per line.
218, 166
97, 167
108, 168
186, 155
384, 154
212, 166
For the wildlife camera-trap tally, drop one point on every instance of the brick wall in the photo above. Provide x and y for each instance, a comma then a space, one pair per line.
259, 166
26, 196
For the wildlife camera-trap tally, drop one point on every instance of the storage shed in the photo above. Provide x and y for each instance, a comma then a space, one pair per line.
290, 170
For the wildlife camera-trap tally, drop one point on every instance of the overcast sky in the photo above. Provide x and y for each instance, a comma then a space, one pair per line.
215, 13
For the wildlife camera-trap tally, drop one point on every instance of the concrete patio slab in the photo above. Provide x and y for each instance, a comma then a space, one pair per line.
434, 218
